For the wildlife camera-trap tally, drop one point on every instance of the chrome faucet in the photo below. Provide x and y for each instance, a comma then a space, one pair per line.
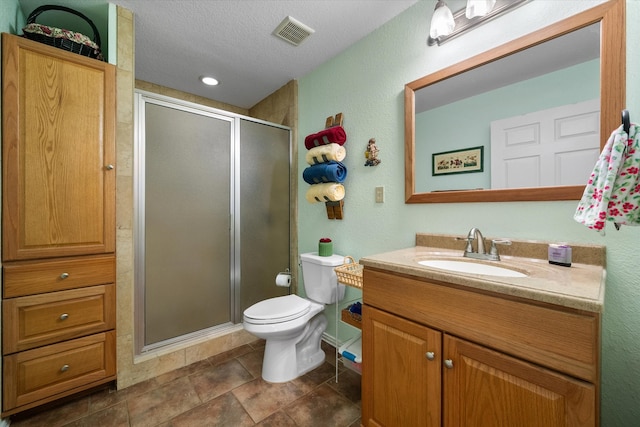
480, 251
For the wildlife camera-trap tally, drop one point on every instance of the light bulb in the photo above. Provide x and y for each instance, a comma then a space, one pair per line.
478, 8
209, 81
442, 23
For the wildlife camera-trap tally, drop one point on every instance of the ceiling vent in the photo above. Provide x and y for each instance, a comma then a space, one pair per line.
293, 31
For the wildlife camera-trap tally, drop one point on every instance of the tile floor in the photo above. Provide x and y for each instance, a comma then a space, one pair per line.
224, 390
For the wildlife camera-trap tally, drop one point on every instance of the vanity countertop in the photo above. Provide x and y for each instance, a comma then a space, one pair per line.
580, 286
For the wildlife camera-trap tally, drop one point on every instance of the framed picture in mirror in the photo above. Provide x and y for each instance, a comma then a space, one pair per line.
458, 161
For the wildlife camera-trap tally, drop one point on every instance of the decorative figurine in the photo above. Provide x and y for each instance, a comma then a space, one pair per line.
372, 153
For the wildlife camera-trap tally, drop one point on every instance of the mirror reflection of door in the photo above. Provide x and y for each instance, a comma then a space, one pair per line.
556, 146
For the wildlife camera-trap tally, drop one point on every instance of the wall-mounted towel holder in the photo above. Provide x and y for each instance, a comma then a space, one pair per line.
327, 186
626, 121
334, 209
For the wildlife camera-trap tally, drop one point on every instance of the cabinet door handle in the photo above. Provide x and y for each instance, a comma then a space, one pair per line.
64, 275
64, 316
448, 363
110, 167
430, 355
64, 368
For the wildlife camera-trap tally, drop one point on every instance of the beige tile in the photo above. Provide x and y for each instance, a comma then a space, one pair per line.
114, 416
124, 155
279, 419
183, 372
162, 403
323, 407
103, 399
207, 349
124, 93
138, 389
230, 354
252, 361
216, 380
313, 379
222, 411
242, 337
261, 399
349, 385
58, 416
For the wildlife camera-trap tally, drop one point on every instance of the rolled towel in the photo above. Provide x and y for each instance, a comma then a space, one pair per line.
332, 135
328, 192
326, 153
325, 172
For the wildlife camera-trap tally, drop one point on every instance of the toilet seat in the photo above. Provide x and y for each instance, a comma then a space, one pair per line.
277, 310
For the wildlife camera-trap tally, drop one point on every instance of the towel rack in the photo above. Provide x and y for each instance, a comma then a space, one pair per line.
626, 122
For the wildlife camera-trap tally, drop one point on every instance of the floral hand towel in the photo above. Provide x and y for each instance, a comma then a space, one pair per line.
613, 190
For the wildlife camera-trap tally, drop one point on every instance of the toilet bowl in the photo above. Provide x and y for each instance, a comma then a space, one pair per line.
293, 326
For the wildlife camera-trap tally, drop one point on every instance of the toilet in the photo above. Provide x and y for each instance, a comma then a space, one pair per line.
293, 326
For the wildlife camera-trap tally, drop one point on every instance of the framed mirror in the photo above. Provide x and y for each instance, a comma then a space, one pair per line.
602, 25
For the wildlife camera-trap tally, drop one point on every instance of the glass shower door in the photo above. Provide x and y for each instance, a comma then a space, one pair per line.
263, 232
187, 229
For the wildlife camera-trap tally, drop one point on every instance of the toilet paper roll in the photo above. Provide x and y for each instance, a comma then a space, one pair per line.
283, 280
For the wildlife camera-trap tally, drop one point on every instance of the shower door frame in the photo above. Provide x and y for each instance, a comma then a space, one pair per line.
142, 97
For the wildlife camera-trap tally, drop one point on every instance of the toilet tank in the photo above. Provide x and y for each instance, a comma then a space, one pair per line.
320, 279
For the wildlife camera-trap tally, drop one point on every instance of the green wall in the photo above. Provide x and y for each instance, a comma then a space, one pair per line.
366, 84
467, 123
11, 17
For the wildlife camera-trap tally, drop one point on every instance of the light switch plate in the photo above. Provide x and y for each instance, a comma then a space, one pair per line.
379, 194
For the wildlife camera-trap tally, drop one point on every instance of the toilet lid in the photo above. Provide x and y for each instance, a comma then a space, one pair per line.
278, 309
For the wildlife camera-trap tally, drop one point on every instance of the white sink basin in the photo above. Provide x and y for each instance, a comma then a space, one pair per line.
471, 267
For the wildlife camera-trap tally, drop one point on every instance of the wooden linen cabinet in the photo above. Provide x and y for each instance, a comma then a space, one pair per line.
58, 223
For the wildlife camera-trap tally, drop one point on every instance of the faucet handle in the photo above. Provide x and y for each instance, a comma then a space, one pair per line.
469, 239
494, 242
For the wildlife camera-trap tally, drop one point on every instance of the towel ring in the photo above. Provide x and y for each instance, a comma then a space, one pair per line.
626, 123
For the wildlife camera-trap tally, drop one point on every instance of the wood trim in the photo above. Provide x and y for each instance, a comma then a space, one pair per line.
612, 89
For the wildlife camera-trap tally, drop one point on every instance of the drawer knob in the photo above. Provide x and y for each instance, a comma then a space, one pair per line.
64, 275
448, 363
110, 167
64, 368
430, 355
64, 316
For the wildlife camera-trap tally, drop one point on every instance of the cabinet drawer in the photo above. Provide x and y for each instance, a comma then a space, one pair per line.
37, 320
29, 278
562, 339
44, 372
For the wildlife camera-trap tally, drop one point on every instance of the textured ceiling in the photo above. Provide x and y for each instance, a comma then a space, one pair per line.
179, 40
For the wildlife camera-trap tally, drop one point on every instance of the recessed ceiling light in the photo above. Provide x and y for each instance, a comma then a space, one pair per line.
209, 81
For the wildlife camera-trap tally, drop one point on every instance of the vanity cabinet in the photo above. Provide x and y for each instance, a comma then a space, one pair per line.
58, 223
438, 354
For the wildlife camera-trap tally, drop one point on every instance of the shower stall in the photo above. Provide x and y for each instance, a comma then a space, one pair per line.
212, 218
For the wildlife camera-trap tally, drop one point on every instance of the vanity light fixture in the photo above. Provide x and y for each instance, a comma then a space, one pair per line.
476, 13
442, 23
209, 81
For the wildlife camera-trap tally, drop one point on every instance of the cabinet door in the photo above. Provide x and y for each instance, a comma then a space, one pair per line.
58, 124
401, 372
483, 388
